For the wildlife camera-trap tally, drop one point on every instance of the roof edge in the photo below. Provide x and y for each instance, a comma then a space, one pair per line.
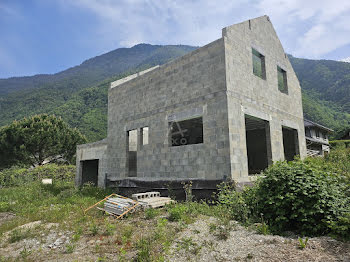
319, 126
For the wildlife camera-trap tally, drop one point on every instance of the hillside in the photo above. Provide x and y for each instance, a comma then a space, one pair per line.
326, 91
79, 94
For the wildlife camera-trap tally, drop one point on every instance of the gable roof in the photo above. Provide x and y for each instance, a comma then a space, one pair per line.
309, 123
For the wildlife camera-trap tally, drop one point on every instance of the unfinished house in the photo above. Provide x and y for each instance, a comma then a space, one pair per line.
316, 136
225, 111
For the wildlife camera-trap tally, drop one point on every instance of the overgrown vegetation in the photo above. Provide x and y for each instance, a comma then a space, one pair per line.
17, 176
301, 196
309, 197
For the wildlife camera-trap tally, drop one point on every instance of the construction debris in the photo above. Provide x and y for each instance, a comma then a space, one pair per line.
46, 181
152, 199
116, 205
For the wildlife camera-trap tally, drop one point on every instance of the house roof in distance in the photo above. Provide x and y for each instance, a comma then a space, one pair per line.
309, 123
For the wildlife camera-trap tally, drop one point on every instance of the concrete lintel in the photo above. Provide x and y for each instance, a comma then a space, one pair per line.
187, 114
256, 113
289, 123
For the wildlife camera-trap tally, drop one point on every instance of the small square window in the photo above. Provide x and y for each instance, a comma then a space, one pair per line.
258, 64
282, 80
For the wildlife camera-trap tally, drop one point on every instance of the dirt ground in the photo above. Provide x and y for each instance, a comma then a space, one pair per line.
5, 216
246, 245
204, 240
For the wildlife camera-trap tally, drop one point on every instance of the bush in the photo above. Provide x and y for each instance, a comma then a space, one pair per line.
335, 144
339, 160
16, 176
151, 213
233, 201
241, 206
341, 227
177, 212
301, 196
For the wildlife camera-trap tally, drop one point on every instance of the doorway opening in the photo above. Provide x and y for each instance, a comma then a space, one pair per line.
258, 144
90, 171
290, 143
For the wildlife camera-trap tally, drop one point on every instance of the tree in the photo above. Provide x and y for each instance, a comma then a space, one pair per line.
38, 140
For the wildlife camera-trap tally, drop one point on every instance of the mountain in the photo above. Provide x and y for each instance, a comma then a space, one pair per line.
345, 60
326, 91
79, 94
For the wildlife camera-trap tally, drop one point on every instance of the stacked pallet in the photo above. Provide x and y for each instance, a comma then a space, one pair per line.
152, 199
117, 205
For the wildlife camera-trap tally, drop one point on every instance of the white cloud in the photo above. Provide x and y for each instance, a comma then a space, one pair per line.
322, 25
166, 21
310, 28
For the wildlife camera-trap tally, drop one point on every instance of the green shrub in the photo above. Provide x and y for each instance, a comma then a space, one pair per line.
335, 144
177, 212
109, 228
341, 227
233, 201
16, 176
151, 213
339, 160
240, 206
301, 196
144, 250
93, 227
4, 206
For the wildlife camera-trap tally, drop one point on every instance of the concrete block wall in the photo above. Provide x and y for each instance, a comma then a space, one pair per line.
92, 151
252, 95
193, 85
215, 82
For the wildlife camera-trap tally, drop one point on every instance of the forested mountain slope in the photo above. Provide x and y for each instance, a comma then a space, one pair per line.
79, 94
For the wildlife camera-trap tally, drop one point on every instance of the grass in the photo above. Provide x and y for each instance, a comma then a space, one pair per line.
142, 236
64, 204
49, 203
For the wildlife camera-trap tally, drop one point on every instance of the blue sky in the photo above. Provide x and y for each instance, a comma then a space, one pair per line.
48, 36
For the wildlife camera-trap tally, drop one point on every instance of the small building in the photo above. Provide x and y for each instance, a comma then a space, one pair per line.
346, 135
316, 137
225, 111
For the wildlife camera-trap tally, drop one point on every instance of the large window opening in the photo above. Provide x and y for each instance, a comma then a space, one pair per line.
290, 143
90, 171
132, 153
258, 144
258, 64
186, 132
282, 80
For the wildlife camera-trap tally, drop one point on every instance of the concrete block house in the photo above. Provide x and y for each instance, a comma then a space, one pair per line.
222, 112
316, 135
